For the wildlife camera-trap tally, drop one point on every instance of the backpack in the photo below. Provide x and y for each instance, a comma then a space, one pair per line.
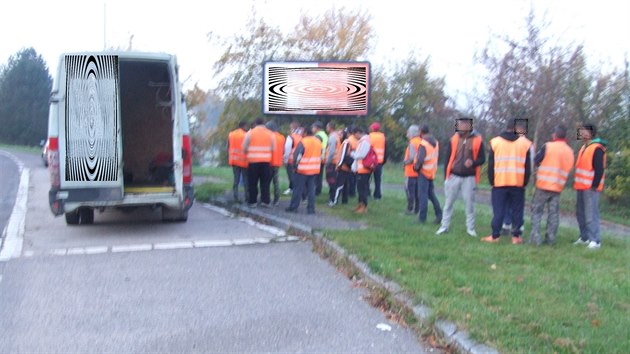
370, 160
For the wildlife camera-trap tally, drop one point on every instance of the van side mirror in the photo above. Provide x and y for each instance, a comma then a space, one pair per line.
54, 97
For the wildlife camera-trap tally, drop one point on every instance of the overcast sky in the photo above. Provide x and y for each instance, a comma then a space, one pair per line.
449, 31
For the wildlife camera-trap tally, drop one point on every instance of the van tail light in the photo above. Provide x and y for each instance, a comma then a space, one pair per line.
53, 161
187, 159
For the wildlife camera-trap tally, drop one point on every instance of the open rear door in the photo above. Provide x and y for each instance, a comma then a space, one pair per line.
89, 124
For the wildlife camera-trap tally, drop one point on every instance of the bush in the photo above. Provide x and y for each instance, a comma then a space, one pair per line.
618, 176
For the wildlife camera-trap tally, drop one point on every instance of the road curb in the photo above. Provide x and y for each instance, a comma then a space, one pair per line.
12, 235
446, 330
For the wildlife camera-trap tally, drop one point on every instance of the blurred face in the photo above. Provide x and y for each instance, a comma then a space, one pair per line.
585, 134
463, 125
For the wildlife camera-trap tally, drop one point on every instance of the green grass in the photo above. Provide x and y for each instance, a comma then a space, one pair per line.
205, 191
516, 298
542, 300
22, 148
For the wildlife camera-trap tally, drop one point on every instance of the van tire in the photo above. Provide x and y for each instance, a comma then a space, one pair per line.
72, 218
86, 216
174, 215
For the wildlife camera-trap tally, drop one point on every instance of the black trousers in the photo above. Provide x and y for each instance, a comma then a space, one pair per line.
502, 199
378, 174
290, 173
341, 187
363, 187
259, 173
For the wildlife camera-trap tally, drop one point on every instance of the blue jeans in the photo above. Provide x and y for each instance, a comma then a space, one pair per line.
502, 199
300, 184
587, 213
426, 192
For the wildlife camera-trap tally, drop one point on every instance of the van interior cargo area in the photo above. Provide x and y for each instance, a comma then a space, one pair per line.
147, 126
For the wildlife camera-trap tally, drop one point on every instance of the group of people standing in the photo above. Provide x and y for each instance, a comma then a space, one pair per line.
310, 154
341, 157
510, 165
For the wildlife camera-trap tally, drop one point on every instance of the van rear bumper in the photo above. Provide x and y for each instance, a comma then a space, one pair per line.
65, 201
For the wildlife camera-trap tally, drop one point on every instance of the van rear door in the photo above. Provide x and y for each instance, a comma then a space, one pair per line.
89, 129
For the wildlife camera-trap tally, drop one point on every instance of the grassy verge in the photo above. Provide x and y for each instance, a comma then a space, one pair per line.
22, 148
517, 298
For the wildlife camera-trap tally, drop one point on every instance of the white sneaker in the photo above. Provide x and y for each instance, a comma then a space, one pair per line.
287, 192
471, 233
331, 204
593, 245
441, 230
580, 242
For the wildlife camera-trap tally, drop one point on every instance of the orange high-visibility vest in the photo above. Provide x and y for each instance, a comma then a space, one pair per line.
555, 167
415, 142
311, 160
377, 139
260, 147
509, 161
296, 138
429, 167
337, 152
236, 157
354, 142
476, 144
584, 171
278, 154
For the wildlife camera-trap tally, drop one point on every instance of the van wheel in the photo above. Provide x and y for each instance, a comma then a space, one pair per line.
171, 215
72, 218
86, 215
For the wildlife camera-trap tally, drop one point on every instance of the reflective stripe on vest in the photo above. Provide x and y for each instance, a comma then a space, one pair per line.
429, 167
509, 161
236, 157
476, 145
415, 143
278, 154
584, 172
377, 139
260, 145
554, 169
311, 160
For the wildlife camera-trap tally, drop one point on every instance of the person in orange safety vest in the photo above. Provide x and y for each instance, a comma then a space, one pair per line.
509, 168
237, 159
307, 161
554, 161
588, 184
258, 146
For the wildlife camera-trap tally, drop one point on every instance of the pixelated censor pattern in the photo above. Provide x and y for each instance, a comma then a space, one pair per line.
323, 89
91, 117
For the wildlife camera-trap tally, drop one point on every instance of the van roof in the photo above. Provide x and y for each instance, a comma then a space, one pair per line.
128, 54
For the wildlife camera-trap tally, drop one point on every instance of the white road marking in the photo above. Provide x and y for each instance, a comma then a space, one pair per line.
13, 234
241, 242
96, 250
213, 243
132, 248
172, 245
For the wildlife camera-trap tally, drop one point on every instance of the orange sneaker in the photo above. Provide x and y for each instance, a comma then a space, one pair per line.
489, 239
361, 209
517, 240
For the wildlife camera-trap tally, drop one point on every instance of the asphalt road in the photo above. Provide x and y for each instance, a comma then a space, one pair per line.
9, 179
130, 283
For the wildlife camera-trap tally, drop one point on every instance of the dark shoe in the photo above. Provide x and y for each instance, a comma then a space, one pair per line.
290, 210
437, 221
311, 212
409, 212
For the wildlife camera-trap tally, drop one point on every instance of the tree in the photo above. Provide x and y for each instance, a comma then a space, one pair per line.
339, 34
25, 87
552, 84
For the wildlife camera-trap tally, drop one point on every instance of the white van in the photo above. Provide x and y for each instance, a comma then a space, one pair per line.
118, 136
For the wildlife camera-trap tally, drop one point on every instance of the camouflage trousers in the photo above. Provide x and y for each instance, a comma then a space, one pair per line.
542, 198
